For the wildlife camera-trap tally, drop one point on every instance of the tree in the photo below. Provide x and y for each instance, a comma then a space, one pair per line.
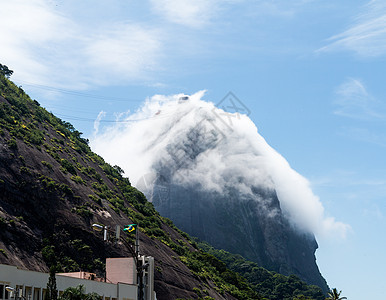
5, 71
119, 169
302, 297
52, 291
335, 295
73, 293
78, 293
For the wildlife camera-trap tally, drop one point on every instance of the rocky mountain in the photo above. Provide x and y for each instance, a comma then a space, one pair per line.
53, 188
244, 228
216, 178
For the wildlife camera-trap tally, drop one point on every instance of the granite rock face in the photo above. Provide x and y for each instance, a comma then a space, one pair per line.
46, 217
233, 215
253, 227
216, 177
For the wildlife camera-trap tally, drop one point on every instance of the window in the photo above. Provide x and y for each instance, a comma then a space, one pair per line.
28, 292
36, 294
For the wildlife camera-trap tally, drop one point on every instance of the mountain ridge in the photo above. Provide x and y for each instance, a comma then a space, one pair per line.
52, 188
217, 178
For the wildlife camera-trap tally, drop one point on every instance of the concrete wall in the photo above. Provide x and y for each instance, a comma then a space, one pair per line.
33, 284
121, 269
82, 275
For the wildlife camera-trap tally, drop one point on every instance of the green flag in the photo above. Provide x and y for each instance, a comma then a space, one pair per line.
132, 228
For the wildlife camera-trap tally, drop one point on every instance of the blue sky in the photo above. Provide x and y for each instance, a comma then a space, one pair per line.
311, 73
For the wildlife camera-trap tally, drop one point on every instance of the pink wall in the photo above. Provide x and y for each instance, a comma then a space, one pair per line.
120, 269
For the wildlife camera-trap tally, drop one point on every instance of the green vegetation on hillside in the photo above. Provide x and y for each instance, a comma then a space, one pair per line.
5, 71
270, 285
335, 295
24, 121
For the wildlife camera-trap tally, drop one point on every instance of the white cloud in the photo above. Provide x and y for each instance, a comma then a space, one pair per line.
27, 29
97, 122
233, 156
297, 199
125, 51
44, 46
366, 36
199, 13
354, 101
184, 12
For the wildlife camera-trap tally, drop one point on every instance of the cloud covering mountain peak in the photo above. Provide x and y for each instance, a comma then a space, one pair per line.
192, 142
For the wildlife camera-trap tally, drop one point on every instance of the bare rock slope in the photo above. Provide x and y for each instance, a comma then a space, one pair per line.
53, 188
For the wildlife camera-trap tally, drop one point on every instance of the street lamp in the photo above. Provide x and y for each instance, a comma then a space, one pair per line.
98, 227
134, 253
14, 292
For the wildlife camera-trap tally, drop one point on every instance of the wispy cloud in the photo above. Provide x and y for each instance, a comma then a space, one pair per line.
72, 46
374, 212
365, 135
354, 101
280, 9
347, 178
366, 36
43, 45
184, 12
27, 29
97, 122
348, 187
126, 51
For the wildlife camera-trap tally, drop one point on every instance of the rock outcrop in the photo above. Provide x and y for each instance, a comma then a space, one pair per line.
257, 230
215, 181
53, 188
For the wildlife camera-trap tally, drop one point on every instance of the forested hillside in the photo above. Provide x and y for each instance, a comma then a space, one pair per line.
53, 188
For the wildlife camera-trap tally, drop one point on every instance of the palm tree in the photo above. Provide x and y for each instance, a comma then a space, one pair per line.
78, 293
74, 293
335, 295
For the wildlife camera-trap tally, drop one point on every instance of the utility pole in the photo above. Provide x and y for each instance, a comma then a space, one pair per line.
134, 251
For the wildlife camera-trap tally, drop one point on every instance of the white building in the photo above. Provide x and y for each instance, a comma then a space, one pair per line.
120, 282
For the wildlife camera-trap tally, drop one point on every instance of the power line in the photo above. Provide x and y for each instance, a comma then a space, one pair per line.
78, 94
76, 118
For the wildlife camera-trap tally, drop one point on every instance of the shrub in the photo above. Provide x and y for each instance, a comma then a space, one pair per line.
35, 137
65, 188
77, 179
68, 166
25, 170
12, 144
47, 164
95, 199
2, 251
83, 211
